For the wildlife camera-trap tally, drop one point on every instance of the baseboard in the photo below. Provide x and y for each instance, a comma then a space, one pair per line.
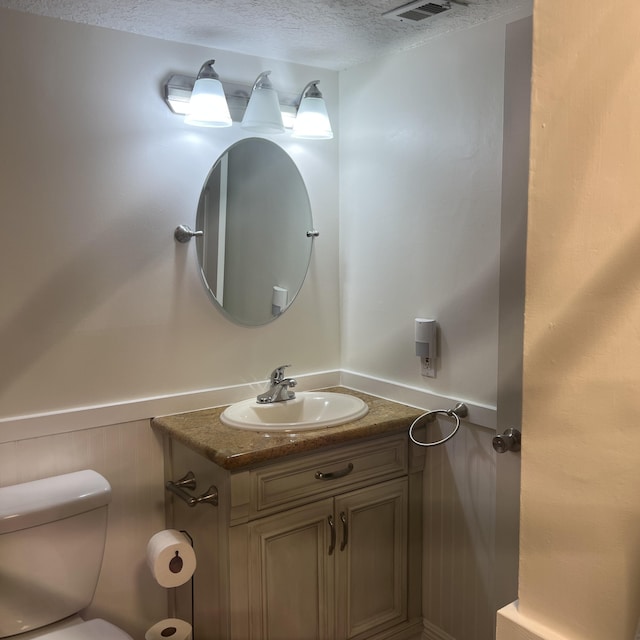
410, 630
431, 632
512, 625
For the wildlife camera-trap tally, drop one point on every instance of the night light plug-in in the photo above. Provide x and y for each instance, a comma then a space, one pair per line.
425, 337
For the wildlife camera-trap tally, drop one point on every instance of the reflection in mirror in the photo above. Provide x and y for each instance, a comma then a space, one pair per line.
256, 217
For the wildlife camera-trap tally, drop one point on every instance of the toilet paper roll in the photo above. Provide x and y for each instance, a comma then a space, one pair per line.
172, 628
170, 558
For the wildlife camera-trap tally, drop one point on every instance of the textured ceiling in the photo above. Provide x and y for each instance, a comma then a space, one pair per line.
332, 34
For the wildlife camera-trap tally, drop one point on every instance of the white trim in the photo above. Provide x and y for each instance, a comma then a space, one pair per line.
479, 414
79, 418
512, 625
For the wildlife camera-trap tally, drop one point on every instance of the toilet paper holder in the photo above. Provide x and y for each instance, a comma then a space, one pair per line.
188, 481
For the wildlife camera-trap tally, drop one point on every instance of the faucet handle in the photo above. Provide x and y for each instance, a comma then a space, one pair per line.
277, 375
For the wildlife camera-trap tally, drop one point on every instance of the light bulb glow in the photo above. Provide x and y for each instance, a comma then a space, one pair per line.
312, 121
208, 105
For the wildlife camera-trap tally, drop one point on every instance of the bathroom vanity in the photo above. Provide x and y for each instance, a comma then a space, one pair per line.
316, 534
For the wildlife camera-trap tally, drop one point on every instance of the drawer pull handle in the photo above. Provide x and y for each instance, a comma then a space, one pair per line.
345, 530
331, 475
332, 526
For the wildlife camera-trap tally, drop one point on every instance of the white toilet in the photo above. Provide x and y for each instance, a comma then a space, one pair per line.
52, 535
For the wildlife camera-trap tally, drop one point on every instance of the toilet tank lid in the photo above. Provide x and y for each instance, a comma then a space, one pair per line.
40, 501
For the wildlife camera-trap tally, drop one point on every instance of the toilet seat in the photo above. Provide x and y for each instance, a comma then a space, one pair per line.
77, 629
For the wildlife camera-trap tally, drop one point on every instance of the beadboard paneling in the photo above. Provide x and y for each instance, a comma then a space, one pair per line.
130, 457
459, 507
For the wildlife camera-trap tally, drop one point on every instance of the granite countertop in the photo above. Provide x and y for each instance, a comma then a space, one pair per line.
234, 449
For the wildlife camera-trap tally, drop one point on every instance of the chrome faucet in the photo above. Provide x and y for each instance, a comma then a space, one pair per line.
279, 387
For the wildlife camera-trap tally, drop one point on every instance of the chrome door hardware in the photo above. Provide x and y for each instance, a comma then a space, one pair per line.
210, 496
510, 440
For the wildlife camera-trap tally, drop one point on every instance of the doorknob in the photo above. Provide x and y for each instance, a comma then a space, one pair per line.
510, 440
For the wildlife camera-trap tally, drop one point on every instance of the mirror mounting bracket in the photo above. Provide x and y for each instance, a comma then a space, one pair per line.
184, 233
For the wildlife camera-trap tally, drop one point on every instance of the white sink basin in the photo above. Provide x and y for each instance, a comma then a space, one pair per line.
308, 410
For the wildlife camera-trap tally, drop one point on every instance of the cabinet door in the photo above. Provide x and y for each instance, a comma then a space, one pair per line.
291, 574
371, 559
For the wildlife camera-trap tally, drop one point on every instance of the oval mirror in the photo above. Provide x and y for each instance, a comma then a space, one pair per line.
256, 217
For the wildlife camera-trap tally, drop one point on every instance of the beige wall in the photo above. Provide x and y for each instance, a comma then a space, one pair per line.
580, 526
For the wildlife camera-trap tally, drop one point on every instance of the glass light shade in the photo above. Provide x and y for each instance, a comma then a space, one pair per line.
312, 120
263, 112
208, 105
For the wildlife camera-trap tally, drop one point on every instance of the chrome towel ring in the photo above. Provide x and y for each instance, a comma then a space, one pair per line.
459, 411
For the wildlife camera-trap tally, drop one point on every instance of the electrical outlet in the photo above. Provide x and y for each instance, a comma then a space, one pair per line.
427, 367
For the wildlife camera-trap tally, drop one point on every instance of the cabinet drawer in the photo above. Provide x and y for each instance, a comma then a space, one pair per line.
294, 482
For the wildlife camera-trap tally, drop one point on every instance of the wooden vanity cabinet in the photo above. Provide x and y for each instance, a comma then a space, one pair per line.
335, 568
322, 546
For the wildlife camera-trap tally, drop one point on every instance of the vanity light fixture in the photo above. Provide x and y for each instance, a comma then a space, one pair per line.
208, 104
255, 107
263, 113
312, 120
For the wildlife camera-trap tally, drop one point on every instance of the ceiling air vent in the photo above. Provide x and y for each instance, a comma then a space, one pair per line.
416, 11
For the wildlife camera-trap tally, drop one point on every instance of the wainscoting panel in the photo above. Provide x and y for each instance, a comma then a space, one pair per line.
130, 457
459, 508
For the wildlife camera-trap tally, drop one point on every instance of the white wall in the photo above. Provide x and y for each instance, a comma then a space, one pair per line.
101, 307
421, 206
100, 304
580, 526
420, 156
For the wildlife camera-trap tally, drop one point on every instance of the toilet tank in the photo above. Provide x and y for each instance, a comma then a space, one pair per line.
52, 534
